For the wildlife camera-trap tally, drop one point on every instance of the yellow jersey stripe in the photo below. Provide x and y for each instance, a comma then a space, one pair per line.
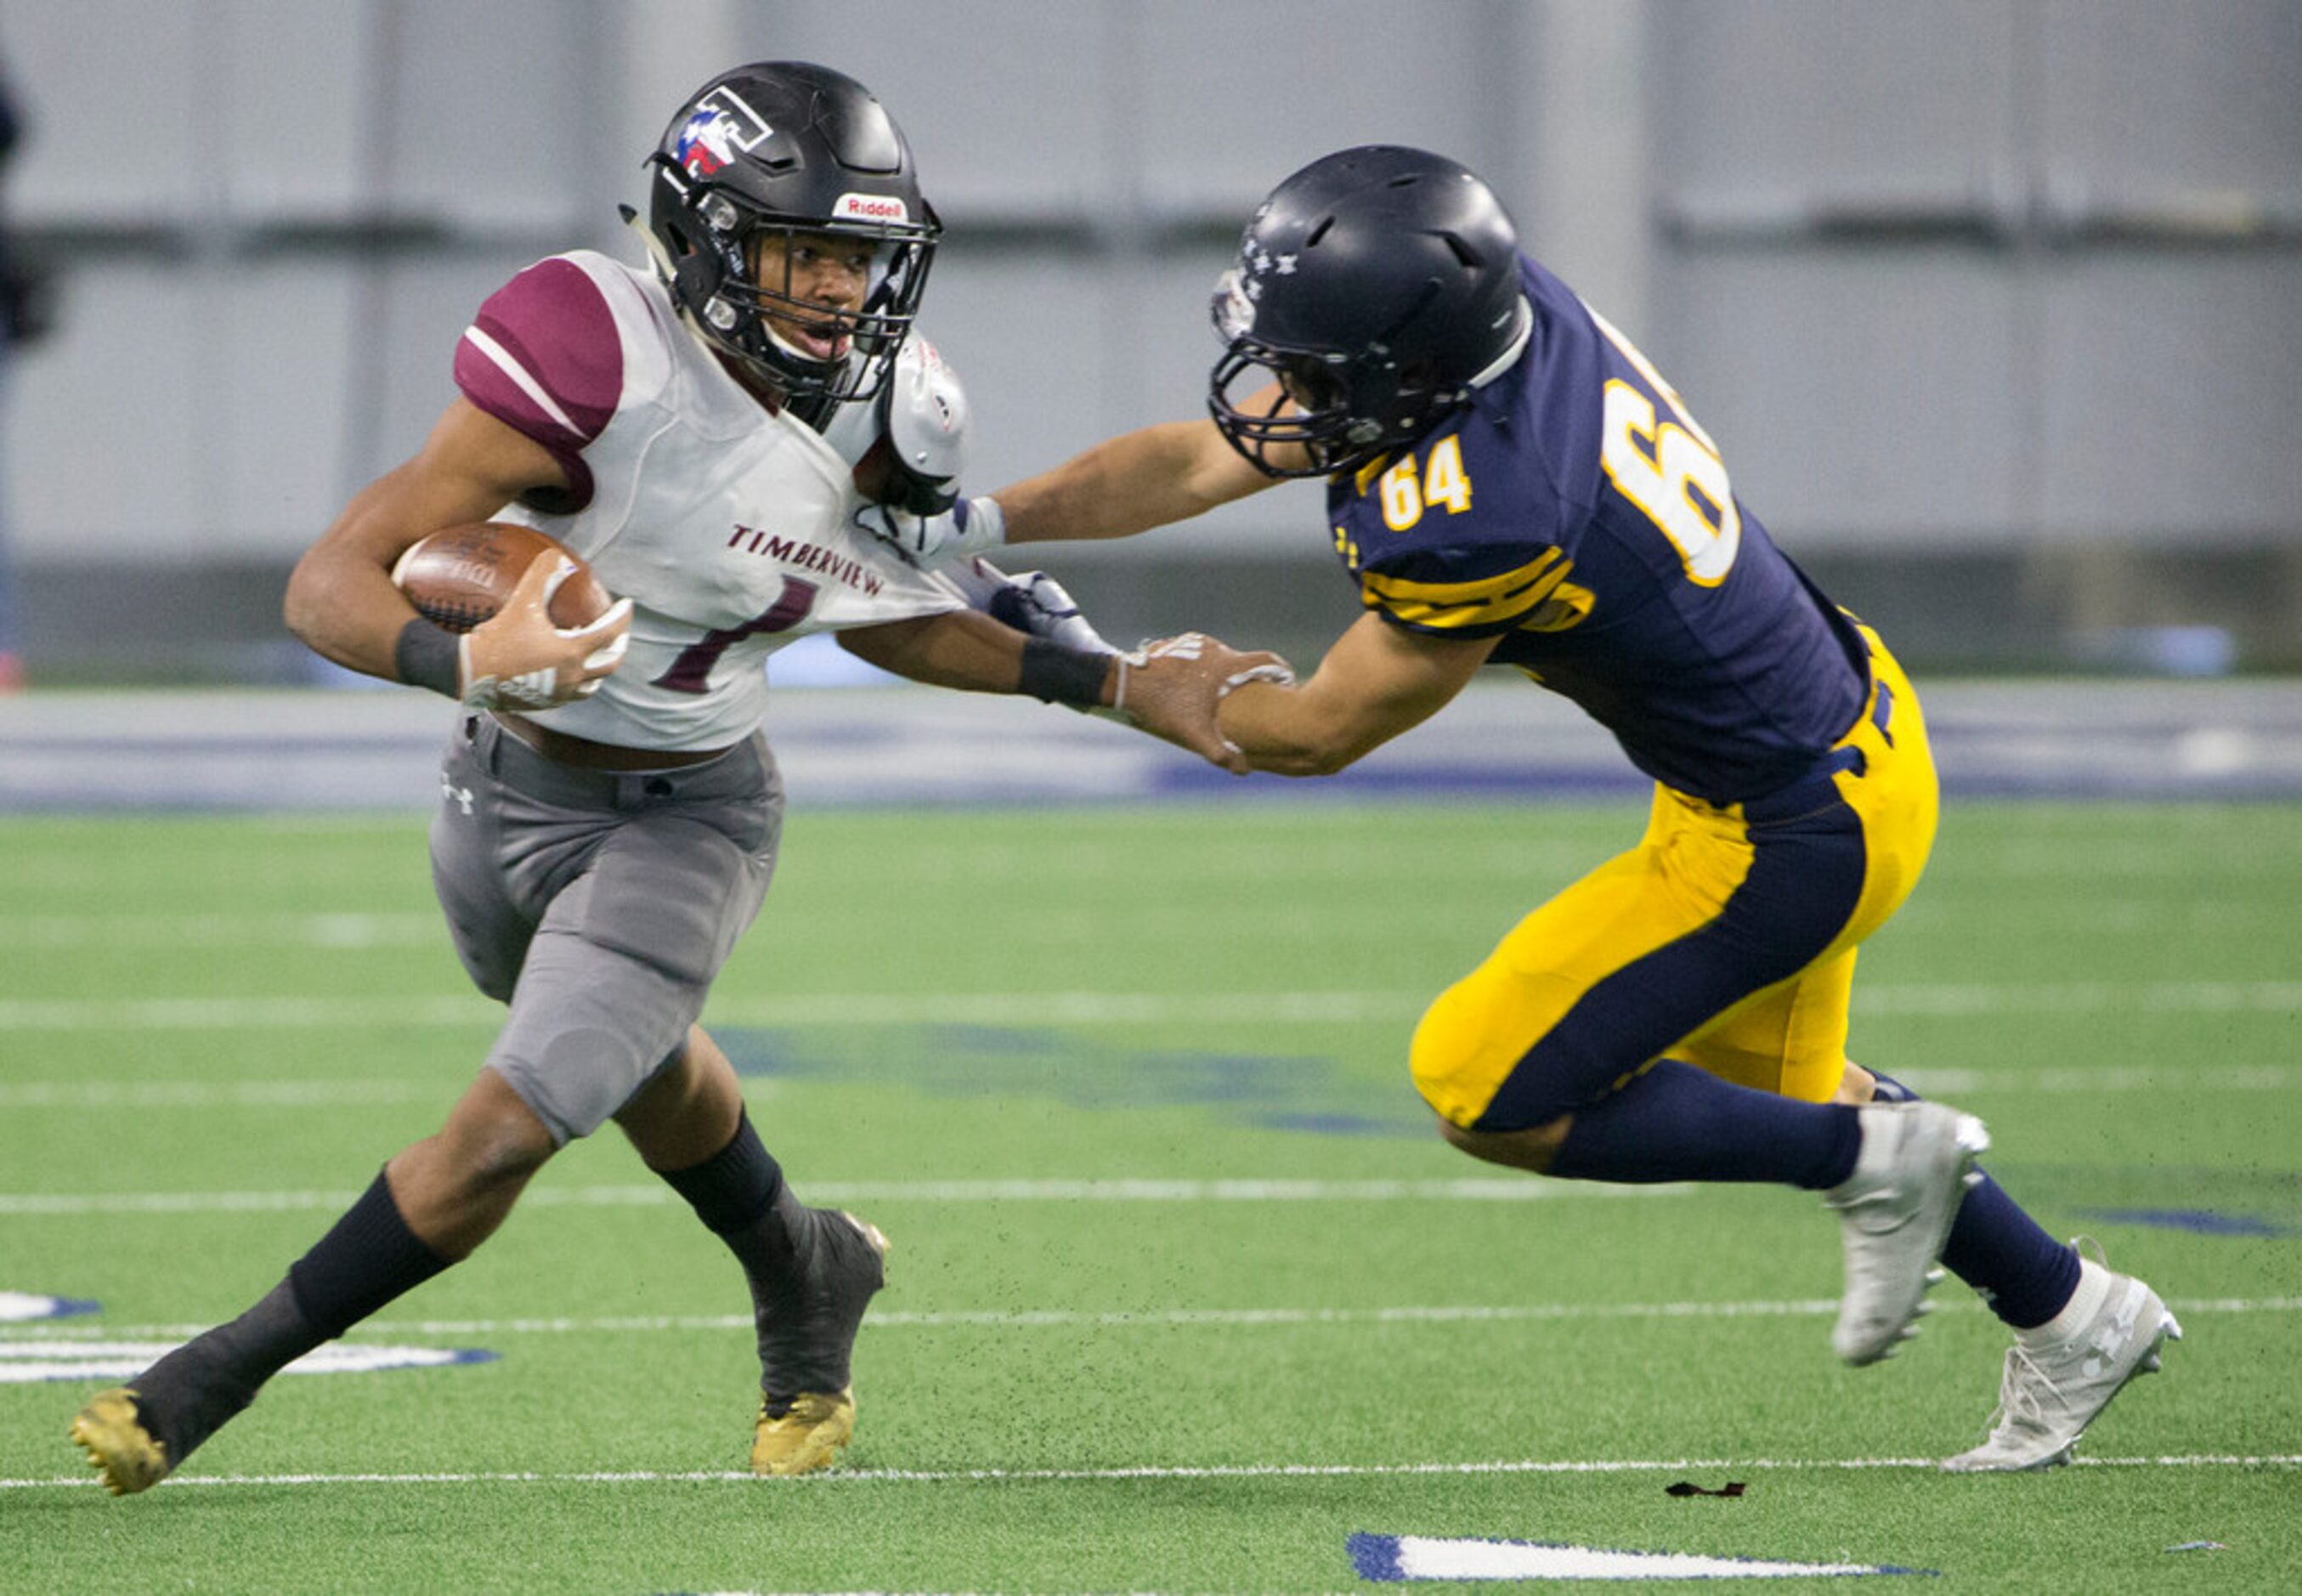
1465, 592
1483, 602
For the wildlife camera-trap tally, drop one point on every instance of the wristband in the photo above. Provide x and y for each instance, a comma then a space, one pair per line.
1116, 710
1055, 675
427, 656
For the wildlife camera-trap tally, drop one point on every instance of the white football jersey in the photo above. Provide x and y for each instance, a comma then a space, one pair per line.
728, 527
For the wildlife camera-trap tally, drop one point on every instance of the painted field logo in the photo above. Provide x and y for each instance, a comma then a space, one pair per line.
18, 1307
85, 1358
1401, 1557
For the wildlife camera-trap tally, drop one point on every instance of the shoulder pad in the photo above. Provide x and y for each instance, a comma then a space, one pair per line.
926, 416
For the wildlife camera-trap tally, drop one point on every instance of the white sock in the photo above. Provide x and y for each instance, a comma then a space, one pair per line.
2094, 1285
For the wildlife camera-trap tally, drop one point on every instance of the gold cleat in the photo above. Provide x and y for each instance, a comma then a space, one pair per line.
811, 1432
130, 1458
808, 1437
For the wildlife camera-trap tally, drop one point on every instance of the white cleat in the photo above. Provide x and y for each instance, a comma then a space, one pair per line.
2055, 1385
1895, 1211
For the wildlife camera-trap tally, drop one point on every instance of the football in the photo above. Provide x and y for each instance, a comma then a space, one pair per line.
460, 576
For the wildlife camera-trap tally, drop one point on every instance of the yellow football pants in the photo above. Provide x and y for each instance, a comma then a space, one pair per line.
1726, 939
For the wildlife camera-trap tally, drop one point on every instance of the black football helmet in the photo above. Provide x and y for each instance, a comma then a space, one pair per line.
1379, 285
785, 147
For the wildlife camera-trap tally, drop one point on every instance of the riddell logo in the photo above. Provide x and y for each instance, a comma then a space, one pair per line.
870, 207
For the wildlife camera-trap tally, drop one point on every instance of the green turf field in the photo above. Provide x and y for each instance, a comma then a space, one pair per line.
1184, 1294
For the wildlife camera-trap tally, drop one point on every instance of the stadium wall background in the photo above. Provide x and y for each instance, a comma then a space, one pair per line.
1995, 306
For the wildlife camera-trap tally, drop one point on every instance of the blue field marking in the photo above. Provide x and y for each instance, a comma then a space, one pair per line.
1307, 1094
2199, 1222
20, 1307
1402, 1558
1333, 1124
1375, 1557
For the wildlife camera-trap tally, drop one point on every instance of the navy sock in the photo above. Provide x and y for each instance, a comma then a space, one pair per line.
2024, 1274
735, 1186
741, 1195
367, 1258
1675, 1123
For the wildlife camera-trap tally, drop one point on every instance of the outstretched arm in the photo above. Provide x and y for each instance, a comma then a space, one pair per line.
1127, 484
1130, 484
968, 649
1375, 683
1172, 692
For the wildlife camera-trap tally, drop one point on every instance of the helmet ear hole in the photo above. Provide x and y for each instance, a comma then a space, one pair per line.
697, 277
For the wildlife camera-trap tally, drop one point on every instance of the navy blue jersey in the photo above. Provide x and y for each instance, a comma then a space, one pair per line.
1575, 511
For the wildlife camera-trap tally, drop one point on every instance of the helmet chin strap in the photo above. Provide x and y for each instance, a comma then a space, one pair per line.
657, 256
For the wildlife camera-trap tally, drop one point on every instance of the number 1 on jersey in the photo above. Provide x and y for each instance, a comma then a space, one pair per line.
692, 669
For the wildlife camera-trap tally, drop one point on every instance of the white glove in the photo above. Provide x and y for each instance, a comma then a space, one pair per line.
1033, 602
518, 659
969, 527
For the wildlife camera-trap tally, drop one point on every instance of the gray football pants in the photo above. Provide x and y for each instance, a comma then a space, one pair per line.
598, 904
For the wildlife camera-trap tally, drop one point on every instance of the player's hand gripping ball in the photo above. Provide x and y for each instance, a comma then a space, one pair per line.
534, 628
460, 576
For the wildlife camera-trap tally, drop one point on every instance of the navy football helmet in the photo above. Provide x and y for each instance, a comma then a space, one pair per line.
1379, 285
782, 147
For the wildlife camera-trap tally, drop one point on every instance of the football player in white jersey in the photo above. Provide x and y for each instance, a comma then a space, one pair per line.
696, 431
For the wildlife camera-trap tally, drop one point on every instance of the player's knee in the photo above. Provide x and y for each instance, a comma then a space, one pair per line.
494, 1140
1456, 1138
1532, 1148
492, 1157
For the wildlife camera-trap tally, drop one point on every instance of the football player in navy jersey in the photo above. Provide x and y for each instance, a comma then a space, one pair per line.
701, 430
1511, 483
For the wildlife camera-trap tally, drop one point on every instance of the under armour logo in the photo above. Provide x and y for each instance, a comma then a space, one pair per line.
2109, 1338
449, 789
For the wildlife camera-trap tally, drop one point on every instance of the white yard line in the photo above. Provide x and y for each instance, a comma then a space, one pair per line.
244, 1013
1249, 1471
78, 1331
348, 929
1942, 999
1470, 1189
222, 1094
